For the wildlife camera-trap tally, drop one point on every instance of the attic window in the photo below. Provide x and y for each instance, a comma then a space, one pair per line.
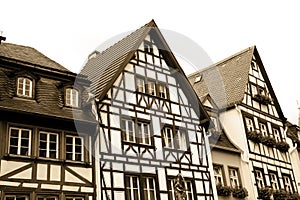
72, 97
198, 79
148, 47
254, 65
24, 87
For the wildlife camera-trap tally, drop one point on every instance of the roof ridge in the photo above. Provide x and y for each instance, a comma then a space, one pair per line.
149, 24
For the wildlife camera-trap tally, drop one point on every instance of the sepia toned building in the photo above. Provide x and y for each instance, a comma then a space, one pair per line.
251, 116
46, 129
152, 140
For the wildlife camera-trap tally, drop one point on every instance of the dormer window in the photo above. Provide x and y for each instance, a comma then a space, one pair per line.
24, 87
72, 97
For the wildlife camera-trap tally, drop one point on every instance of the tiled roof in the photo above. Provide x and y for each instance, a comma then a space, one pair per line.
48, 99
222, 142
28, 55
103, 69
226, 80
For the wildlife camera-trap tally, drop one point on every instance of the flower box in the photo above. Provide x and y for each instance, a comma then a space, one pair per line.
239, 193
263, 99
282, 146
254, 136
264, 193
223, 190
268, 141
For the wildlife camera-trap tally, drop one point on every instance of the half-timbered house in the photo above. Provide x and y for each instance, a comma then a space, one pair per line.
44, 155
226, 157
251, 116
152, 139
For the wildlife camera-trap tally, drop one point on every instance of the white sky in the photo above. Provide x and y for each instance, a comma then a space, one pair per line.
67, 31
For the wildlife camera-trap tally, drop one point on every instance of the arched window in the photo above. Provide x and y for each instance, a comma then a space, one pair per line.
24, 87
72, 97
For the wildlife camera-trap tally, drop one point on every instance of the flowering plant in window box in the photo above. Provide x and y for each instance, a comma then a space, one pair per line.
282, 146
264, 193
268, 141
223, 190
239, 192
254, 136
280, 194
262, 98
294, 196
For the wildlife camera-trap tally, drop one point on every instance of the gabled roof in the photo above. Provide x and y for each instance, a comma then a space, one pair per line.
104, 68
28, 55
222, 142
226, 81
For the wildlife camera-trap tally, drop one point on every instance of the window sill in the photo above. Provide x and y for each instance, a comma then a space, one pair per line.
177, 150
139, 144
42, 160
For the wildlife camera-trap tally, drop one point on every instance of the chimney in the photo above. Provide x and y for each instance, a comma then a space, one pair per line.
1, 37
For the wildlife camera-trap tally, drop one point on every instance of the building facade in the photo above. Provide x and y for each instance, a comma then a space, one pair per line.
152, 140
226, 157
253, 120
42, 156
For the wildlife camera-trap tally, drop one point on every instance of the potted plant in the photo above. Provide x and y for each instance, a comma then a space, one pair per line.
282, 146
268, 141
223, 190
239, 192
254, 136
280, 194
264, 193
262, 98
294, 196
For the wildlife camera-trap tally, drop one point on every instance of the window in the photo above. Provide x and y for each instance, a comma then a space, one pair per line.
218, 174
276, 134
16, 197
162, 91
249, 124
198, 79
287, 183
128, 130
188, 187
274, 180
254, 65
46, 198
19, 141
72, 97
174, 139
74, 198
74, 148
215, 121
24, 87
259, 178
144, 133
150, 88
140, 85
140, 187
234, 177
148, 47
263, 129
48, 145
253, 90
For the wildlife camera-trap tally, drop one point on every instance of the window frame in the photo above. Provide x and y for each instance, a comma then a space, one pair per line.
48, 133
142, 184
23, 89
178, 138
261, 179
45, 197
71, 91
171, 188
290, 185
249, 126
264, 131
19, 145
16, 195
145, 136
272, 181
74, 137
219, 176
234, 178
